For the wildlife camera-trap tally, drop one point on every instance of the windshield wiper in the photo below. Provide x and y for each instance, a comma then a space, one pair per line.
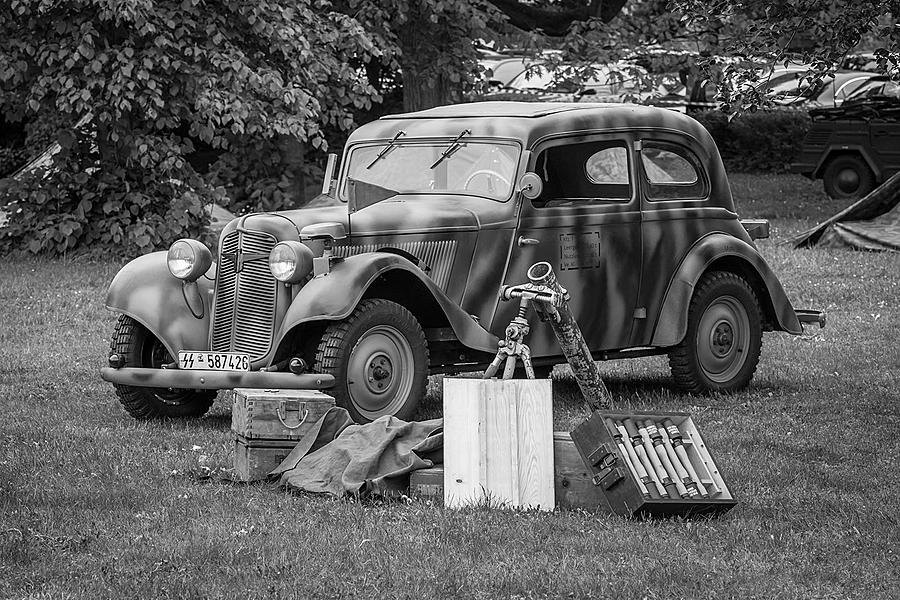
386, 149
453, 147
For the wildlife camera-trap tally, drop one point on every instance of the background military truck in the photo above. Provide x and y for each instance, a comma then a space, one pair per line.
852, 148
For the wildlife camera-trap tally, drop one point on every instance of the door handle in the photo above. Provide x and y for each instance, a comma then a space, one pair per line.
524, 241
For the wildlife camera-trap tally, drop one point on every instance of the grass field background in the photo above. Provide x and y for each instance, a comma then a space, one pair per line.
95, 504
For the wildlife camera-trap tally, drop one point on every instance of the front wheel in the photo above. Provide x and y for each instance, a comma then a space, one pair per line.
724, 337
379, 358
140, 348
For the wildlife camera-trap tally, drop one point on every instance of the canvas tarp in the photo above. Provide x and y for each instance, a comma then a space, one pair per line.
340, 457
872, 223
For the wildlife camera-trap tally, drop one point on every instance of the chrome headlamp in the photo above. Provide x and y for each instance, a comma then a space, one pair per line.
290, 262
188, 259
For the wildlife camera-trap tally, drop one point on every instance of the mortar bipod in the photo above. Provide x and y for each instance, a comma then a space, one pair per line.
550, 302
513, 347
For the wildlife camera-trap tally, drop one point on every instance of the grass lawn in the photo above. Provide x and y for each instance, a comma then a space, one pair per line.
95, 504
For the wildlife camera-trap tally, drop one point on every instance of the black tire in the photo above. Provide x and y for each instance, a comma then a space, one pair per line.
721, 349
379, 358
848, 177
140, 348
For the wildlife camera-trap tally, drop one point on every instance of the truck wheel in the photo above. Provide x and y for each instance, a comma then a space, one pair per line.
724, 336
140, 348
379, 359
848, 177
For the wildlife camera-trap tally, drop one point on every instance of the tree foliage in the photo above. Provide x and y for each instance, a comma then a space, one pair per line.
816, 33
262, 85
154, 79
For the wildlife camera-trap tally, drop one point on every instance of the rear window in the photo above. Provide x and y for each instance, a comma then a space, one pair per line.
672, 172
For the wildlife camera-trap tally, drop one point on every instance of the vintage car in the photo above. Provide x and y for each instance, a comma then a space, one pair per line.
433, 213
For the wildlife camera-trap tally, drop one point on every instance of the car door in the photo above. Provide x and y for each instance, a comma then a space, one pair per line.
586, 224
679, 206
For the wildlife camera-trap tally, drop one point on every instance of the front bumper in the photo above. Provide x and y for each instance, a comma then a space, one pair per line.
214, 380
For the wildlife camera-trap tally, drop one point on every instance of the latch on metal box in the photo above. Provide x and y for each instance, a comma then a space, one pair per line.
286, 407
604, 460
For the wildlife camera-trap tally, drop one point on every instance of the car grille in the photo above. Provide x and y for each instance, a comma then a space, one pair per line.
244, 312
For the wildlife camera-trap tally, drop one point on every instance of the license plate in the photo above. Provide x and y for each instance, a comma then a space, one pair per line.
214, 361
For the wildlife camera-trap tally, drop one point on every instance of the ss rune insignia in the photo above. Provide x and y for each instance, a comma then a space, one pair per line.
239, 258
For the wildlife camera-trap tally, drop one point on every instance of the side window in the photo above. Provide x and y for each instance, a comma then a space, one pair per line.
672, 172
609, 165
584, 173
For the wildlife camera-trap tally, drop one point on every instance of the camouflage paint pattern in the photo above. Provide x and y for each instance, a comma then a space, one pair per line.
617, 260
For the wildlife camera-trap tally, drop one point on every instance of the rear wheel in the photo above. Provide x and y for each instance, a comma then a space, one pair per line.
724, 336
140, 348
848, 177
379, 358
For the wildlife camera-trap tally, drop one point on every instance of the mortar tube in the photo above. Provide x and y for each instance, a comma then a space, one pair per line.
570, 338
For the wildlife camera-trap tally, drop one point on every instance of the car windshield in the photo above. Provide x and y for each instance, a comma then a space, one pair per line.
475, 168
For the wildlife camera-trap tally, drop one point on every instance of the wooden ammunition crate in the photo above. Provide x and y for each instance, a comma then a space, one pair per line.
572, 483
620, 486
267, 424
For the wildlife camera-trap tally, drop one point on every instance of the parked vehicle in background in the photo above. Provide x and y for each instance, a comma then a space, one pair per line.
436, 211
788, 88
599, 83
852, 148
876, 87
500, 72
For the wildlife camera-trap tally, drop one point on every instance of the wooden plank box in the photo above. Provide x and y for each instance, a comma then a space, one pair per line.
572, 482
498, 442
610, 463
267, 424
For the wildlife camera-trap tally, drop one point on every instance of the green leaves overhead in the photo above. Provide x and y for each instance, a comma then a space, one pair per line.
156, 78
816, 33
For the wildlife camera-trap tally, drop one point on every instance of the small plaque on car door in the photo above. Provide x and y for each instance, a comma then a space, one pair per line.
579, 250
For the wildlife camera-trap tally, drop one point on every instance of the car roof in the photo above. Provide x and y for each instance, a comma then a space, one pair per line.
525, 110
527, 121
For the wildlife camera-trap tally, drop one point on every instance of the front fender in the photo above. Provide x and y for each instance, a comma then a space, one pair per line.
146, 291
671, 326
334, 296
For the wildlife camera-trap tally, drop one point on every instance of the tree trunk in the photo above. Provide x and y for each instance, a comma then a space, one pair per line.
421, 91
424, 86
293, 153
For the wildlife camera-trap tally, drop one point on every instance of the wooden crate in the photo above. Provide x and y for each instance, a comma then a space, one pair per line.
571, 479
267, 424
498, 442
254, 460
